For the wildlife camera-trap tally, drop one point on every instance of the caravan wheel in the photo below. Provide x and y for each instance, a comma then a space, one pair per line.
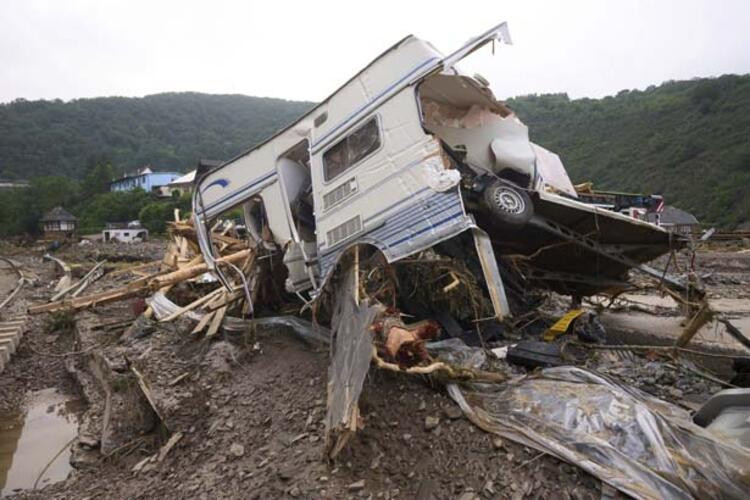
508, 203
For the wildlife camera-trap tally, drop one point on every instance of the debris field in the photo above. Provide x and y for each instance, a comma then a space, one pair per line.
185, 398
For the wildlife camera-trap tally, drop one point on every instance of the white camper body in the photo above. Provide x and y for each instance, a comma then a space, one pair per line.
375, 164
398, 197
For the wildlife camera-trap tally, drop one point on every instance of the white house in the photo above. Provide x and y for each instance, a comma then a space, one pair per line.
124, 233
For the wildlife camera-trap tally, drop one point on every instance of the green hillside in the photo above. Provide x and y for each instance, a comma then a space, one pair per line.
688, 140
169, 131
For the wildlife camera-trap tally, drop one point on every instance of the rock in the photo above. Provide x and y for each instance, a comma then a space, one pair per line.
357, 486
294, 492
453, 412
497, 443
287, 473
489, 487
406, 437
140, 466
468, 495
422, 406
88, 442
675, 392
431, 422
237, 449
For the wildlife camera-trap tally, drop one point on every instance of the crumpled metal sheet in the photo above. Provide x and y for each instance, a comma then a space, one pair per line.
639, 444
351, 353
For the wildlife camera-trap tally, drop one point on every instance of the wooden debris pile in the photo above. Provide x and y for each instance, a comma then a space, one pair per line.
23, 279
182, 266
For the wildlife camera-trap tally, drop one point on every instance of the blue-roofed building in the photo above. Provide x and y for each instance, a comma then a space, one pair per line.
145, 179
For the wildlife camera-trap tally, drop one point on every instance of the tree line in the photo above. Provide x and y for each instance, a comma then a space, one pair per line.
89, 199
686, 140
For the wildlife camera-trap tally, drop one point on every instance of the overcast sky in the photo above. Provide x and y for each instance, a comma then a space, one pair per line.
305, 50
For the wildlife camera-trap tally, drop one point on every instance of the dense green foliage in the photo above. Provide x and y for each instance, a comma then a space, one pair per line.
169, 131
90, 200
68, 150
688, 140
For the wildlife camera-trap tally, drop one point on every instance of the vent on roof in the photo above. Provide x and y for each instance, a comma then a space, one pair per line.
343, 231
343, 191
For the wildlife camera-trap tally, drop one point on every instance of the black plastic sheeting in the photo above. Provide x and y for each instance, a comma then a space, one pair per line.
639, 444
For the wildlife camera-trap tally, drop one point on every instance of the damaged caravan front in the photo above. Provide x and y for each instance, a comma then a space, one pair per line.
409, 153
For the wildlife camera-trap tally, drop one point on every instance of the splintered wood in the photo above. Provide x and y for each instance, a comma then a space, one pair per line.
182, 263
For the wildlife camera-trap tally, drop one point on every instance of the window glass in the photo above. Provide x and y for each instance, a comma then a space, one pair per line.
351, 149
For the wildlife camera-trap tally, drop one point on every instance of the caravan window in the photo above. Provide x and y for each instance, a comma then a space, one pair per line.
351, 149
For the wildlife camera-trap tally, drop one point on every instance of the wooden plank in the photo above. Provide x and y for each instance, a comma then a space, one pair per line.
136, 267
203, 322
216, 322
195, 270
192, 305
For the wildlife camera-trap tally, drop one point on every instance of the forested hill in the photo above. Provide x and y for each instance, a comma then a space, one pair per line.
688, 140
168, 131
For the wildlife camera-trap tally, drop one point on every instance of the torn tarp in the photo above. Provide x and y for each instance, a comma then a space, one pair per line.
638, 444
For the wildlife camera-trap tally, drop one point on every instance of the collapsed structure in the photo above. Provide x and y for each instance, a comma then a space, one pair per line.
409, 191
404, 159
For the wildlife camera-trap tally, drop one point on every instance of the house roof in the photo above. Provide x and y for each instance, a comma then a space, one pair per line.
673, 215
58, 214
143, 171
188, 178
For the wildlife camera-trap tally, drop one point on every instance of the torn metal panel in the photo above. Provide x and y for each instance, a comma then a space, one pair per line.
552, 173
492, 278
498, 33
351, 352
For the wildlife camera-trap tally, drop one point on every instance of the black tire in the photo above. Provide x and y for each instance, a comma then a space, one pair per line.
509, 204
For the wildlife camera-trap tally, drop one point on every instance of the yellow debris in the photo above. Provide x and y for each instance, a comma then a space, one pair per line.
562, 325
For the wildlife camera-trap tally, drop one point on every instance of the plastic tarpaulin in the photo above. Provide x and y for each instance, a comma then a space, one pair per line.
641, 445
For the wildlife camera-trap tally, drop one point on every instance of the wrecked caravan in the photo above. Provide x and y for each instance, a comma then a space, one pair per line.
409, 153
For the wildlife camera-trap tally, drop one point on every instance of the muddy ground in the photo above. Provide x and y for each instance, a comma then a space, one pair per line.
250, 410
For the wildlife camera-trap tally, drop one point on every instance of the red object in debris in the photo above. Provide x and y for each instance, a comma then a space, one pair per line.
405, 343
138, 306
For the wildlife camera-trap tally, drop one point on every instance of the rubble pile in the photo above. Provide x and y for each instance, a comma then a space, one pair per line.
245, 405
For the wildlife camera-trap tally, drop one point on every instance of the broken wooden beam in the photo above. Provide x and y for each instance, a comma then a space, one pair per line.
196, 270
137, 287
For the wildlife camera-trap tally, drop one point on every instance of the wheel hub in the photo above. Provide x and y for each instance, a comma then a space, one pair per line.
508, 200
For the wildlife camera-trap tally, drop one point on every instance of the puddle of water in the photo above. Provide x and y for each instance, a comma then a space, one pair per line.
28, 442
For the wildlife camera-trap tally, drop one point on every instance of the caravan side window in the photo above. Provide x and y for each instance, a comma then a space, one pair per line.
351, 149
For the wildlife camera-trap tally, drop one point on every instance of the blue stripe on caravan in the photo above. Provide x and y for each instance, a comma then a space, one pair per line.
393, 231
398, 215
415, 212
240, 191
439, 223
